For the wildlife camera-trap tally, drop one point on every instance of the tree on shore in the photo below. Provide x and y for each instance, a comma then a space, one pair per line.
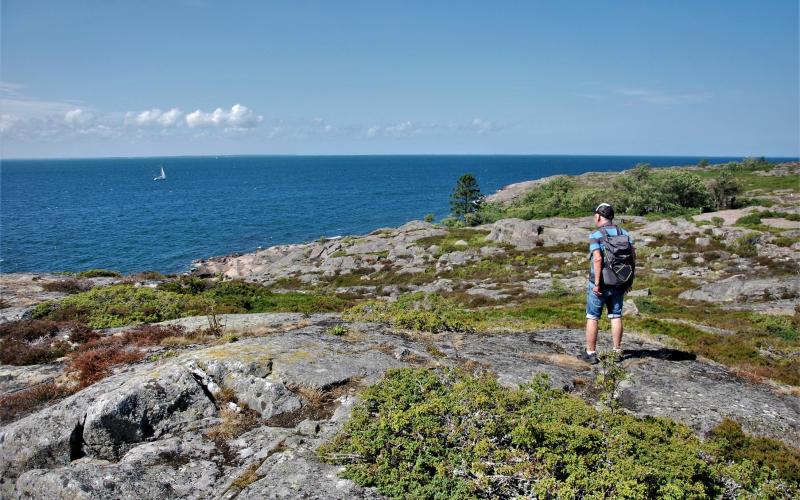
466, 199
724, 188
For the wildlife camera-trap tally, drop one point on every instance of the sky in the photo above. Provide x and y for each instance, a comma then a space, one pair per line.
91, 78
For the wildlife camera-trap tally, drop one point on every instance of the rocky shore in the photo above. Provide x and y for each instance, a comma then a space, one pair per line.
244, 418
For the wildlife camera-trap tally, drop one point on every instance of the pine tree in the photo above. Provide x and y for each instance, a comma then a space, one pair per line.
466, 198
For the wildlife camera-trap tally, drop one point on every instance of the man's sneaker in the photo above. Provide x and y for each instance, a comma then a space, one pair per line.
617, 356
589, 358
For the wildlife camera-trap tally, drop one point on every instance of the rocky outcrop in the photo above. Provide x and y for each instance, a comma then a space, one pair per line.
529, 234
151, 430
741, 289
309, 261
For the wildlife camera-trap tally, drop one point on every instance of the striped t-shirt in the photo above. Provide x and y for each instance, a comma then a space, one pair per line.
595, 243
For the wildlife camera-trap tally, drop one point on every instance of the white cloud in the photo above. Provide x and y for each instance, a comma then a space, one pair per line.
154, 117
7, 123
404, 129
77, 117
170, 118
57, 123
10, 89
238, 118
481, 126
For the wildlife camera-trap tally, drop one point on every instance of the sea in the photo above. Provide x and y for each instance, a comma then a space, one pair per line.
78, 214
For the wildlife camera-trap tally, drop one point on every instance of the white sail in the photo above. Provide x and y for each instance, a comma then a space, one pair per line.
162, 176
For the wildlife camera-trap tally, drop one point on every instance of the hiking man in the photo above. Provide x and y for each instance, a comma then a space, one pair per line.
612, 258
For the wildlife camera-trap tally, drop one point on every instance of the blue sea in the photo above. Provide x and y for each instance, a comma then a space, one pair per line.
72, 215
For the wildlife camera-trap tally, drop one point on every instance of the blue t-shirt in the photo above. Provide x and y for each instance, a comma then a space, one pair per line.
595, 243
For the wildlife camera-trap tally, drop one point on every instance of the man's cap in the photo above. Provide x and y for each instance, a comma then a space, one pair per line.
605, 210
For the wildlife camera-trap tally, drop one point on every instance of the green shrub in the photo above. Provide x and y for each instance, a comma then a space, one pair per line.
646, 305
242, 296
124, 304
337, 330
753, 219
731, 444
192, 285
745, 246
423, 434
452, 222
647, 191
99, 273
785, 241
120, 305
724, 188
780, 326
415, 311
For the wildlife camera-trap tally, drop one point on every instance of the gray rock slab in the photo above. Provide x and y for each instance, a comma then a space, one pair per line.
144, 429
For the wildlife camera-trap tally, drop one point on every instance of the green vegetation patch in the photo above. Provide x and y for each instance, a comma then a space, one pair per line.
99, 273
124, 304
762, 345
475, 238
426, 434
655, 193
415, 311
120, 305
745, 245
754, 220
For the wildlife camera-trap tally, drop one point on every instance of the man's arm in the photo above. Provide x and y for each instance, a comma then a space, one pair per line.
597, 263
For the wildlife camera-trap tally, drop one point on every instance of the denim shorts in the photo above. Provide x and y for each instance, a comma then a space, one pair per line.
612, 299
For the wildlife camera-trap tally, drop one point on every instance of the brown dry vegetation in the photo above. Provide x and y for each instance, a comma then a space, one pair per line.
18, 404
30, 342
69, 285
95, 359
95, 362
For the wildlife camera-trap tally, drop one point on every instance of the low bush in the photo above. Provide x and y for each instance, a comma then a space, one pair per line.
119, 305
30, 342
242, 296
149, 335
192, 285
337, 330
95, 361
785, 241
762, 347
730, 443
99, 273
754, 219
423, 434
425, 312
785, 327
18, 404
745, 246
69, 285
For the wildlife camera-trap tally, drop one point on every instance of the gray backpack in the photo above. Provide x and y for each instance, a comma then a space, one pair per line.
619, 263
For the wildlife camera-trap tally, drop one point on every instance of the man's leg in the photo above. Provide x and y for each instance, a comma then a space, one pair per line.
616, 332
615, 316
591, 335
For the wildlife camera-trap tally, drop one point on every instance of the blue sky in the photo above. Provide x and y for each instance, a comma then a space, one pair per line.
147, 78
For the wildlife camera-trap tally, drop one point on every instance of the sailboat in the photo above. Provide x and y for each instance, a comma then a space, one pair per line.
161, 177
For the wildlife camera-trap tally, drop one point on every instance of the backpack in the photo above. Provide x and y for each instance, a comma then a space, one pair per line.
619, 263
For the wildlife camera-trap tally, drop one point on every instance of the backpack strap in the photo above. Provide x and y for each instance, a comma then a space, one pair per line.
605, 232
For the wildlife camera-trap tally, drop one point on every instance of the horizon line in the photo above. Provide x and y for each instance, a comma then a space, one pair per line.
343, 155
